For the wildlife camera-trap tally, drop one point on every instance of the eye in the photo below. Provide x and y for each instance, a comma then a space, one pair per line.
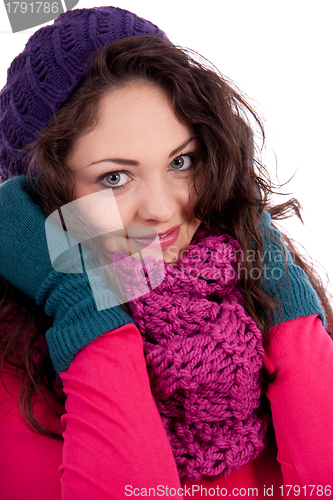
182, 162
115, 180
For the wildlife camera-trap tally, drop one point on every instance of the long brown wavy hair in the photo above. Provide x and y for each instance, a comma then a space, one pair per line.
235, 187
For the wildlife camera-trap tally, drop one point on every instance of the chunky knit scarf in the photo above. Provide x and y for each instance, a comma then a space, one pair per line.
204, 354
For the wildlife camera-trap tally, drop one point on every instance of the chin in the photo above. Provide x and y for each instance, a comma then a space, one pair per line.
171, 254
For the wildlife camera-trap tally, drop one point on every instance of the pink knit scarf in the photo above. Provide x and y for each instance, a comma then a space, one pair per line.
204, 354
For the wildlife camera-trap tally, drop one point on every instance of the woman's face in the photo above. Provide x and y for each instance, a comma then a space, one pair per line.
141, 155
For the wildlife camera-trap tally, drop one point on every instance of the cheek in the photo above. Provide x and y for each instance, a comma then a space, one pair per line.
127, 209
189, 198
92, 215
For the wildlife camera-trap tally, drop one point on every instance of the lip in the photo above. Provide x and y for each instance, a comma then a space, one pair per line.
171, 230
165, 239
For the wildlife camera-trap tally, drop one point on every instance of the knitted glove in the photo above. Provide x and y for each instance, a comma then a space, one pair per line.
284, 280
66, 297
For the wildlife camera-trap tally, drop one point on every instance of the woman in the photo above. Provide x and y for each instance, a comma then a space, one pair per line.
168, 144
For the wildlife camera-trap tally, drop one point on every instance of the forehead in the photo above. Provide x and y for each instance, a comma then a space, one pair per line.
130, 120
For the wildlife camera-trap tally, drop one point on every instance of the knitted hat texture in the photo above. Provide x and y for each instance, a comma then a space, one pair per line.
204, 354
54, 60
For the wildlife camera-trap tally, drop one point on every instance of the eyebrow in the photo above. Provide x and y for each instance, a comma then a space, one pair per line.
183, 146
123, 161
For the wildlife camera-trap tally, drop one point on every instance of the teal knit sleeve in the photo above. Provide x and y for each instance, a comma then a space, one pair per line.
66, 297
284, 280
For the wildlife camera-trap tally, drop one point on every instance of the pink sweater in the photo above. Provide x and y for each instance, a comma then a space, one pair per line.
115, 445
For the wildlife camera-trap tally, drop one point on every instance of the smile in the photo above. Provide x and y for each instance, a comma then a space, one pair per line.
163, 241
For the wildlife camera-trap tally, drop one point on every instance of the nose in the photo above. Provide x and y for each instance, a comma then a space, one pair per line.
158, 203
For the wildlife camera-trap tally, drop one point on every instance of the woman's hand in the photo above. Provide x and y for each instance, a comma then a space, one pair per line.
66, 297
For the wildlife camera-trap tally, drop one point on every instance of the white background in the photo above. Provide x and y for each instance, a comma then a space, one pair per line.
279, 52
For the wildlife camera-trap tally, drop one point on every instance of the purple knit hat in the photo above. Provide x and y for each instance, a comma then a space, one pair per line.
52, 63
